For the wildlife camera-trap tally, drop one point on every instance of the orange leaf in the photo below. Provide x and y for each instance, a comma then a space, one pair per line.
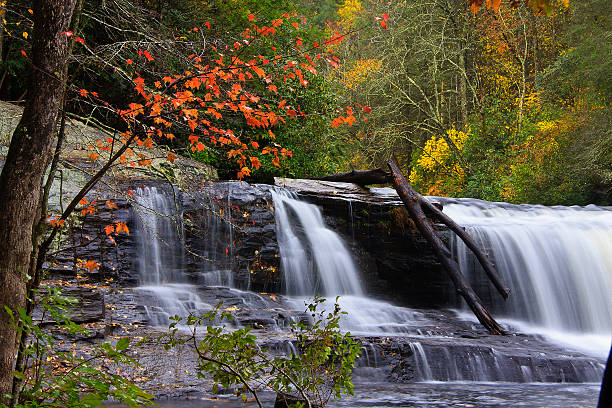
89, 210
91, 265
111, 205
109, 229
57, 222
171, 157
273, 88
121, 227
255, 163
83, 201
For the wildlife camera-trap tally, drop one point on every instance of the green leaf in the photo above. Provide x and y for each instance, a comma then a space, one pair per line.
122, 344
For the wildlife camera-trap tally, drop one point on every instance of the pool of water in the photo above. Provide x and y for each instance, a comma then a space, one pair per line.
433, 395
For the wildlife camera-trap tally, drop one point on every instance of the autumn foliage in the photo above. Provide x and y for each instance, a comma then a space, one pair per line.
231, 99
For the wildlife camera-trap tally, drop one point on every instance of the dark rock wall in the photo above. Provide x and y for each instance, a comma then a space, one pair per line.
231, 226
397, 263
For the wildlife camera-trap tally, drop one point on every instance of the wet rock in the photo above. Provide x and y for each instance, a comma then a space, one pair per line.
89, 306
396, 260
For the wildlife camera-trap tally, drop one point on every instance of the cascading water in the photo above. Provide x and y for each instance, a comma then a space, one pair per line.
161, 258
315, 260
557, 261
216, 235
313, 257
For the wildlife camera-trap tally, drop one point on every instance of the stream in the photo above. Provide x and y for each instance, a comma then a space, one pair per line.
557, 261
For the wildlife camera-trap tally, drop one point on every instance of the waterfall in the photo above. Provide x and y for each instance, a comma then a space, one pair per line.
161, 258
186, 259
315, 260
557, 261
161, 254
313, 257
215, 266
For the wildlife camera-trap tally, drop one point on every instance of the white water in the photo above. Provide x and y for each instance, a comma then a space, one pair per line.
314, 259
161, 258
557, 262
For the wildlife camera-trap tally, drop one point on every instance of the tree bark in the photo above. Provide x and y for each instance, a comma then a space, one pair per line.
463, 87
26, 162
360, 177
412, 200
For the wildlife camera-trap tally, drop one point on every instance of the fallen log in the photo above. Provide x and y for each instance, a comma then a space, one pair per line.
469, 242
360, 177
432, 210
414, 203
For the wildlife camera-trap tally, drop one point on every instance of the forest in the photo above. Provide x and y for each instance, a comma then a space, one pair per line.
507, 104
506, 101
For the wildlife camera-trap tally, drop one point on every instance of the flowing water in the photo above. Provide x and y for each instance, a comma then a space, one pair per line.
315, 260
313, 257
161, 258
556, 260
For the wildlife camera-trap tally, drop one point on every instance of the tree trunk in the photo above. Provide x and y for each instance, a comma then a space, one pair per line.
26, 162
463, 87
411, 200
360, 177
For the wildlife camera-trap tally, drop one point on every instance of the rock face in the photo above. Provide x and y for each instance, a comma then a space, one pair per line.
230, 226
396, 261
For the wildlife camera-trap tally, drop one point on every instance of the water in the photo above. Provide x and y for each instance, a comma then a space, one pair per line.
314, 259
556, 260
160, 239
161, 258
216, 255
438, 395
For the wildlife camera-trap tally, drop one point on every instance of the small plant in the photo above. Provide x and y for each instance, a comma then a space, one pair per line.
57, 373
319, 370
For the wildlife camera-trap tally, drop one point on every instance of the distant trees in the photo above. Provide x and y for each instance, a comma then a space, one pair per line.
514, 80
